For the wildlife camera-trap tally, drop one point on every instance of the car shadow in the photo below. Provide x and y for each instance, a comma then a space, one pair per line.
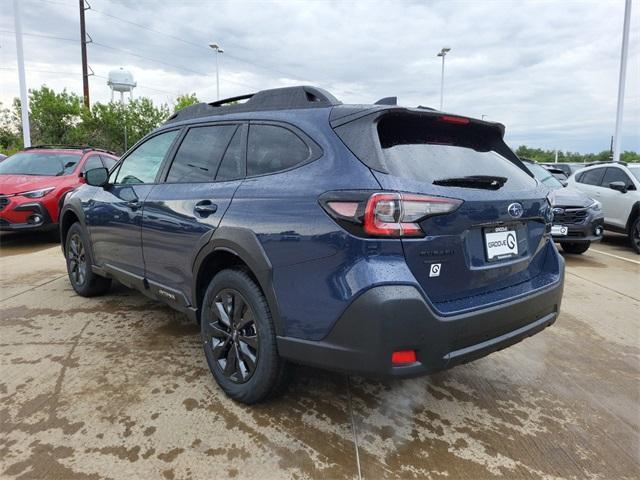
16, 243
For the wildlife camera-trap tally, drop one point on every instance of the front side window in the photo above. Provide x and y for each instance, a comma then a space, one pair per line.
142, 165
614, 174
199, 155
272, 148
635, 170
592, 177
40, 163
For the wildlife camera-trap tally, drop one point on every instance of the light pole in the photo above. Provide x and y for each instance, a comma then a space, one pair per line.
218, 50
24, 98
621, 81
443, 53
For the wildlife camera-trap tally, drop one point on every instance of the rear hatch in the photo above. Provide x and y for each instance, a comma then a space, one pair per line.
491, 247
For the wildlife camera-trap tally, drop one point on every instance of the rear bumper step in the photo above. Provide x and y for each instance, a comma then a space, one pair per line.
396, 317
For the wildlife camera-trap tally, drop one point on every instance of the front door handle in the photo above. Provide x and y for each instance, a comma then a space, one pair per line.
133, 204
205, 208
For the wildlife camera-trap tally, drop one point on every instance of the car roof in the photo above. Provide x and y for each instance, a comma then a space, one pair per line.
304, 99
79, 149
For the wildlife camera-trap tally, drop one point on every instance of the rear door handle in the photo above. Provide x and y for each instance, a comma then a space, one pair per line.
205, 208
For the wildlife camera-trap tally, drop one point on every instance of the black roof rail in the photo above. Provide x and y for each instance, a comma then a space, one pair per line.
422, 107
274, 99
605, 162
84, 148
387, 101
231, 100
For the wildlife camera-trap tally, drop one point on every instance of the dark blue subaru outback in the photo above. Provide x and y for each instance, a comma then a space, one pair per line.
369, 239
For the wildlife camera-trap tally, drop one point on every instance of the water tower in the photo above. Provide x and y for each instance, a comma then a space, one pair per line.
121, 80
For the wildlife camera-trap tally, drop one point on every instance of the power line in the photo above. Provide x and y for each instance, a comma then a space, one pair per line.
129, 52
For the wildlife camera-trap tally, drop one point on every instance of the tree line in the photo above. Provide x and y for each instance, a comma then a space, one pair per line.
62, 119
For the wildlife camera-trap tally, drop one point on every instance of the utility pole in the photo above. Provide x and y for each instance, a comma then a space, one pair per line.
24, 99
83, 47
623, 74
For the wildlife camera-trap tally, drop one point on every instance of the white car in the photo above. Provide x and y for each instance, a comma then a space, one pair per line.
617, 187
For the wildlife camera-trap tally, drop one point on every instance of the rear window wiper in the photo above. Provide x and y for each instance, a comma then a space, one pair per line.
488, 182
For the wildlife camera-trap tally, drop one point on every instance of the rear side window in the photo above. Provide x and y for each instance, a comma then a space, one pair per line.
108, 162
232, 166
92, 162
199, 155
592, 177
427, 150
272, 148
614, 174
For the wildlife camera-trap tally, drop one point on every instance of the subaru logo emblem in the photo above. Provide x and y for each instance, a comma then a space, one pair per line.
515, 210
558, 211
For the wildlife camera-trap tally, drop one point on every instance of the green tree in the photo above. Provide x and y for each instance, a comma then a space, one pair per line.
52, 116
10, 134
185, 100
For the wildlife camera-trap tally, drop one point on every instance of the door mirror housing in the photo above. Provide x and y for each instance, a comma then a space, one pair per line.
619, 186
97, 177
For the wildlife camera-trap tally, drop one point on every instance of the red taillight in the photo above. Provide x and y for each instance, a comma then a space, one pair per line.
402, 357
453, 119
396, 214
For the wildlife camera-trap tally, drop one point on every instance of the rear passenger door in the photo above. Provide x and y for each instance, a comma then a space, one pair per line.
182, 212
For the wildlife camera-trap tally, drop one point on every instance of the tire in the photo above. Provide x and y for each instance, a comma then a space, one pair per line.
83, 280
575, 248
634, 234
236, 323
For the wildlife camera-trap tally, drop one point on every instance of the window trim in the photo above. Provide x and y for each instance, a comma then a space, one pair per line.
164, 174
315, 150
138, 144
582, 174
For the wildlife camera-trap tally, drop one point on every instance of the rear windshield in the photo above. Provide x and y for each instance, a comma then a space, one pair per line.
427, 150
38, 163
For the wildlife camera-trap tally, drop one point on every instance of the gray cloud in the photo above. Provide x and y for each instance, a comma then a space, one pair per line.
548, 70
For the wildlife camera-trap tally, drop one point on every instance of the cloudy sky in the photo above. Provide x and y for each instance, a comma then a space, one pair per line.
546, 69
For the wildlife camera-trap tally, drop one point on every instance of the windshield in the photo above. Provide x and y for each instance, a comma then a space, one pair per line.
544, 176
635, 170
40, 163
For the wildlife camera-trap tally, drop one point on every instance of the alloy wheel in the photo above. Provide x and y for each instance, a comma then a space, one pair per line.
232, 336
77, 260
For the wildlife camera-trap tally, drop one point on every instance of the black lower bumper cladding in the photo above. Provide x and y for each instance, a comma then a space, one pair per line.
396, 317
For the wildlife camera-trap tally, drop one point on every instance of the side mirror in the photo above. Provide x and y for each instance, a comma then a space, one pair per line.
619, 186
97, 177
564, 183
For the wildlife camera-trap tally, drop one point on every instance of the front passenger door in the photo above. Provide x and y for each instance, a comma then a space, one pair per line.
615, 204
114, 215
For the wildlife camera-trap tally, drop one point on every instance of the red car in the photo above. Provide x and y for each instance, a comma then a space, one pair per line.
33, 183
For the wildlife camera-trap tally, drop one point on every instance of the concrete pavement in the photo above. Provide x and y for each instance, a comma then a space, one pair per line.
117, 387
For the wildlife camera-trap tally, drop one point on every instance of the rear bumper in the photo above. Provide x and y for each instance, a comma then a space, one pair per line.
389, 318
34, 210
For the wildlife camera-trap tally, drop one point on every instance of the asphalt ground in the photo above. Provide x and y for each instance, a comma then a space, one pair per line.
117, 387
